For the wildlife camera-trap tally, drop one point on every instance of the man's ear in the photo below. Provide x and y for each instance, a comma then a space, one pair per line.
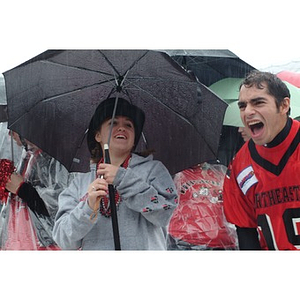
285, 105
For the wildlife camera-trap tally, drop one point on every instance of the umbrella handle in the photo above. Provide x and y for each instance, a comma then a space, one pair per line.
113, 207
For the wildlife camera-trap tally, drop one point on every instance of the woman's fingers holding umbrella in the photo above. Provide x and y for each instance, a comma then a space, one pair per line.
108, 172
99, 185
97, 189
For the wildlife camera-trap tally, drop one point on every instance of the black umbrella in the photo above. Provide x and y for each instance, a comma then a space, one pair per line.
52, 97
210, 66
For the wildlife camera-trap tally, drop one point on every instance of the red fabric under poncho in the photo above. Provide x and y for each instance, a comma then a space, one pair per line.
22, 229
6, 169
199, 218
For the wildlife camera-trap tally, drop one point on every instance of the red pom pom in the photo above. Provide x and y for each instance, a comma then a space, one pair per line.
6, 169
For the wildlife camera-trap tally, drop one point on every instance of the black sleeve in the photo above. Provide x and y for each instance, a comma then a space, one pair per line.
248, 238
28, 194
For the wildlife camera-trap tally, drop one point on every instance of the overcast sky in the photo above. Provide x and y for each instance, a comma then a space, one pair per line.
262, 33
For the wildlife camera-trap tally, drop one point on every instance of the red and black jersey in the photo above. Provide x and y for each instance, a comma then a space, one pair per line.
261, 190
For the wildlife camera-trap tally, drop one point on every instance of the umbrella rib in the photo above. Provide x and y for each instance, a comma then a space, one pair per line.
133, 64
74, 67
136, 61
64, 94
75, 91
120, 80
83, 69
109, 62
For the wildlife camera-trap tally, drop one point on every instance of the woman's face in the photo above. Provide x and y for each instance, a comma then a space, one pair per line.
122, 137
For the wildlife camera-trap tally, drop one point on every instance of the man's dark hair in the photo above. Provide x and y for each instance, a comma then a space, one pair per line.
275, 86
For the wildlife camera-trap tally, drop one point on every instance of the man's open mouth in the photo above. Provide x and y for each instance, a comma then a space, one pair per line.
255, 126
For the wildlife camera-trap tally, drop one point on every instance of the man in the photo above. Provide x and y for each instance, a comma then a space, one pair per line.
244, 134
261, 188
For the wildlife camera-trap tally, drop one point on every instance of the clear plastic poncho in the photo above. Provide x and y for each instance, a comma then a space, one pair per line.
20, 227
8, 147
199, 223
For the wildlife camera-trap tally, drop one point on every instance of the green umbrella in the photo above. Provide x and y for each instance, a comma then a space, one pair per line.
228, 90
295, 100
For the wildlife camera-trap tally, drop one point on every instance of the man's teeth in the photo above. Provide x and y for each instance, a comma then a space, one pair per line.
253, 123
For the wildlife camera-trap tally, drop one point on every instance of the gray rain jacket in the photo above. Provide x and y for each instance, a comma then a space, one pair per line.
148, 198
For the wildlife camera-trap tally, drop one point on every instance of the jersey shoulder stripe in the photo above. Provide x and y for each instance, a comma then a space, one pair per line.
267, 165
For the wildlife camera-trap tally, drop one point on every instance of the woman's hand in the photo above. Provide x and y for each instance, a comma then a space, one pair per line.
108, 172
97, 189
14, 183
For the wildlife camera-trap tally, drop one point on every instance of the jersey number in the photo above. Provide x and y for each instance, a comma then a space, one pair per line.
291, 217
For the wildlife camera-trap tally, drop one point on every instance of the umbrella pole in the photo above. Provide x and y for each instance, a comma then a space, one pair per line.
113, 207
111, 191
12, 146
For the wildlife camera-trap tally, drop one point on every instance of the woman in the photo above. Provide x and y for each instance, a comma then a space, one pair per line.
27, 216
145, 192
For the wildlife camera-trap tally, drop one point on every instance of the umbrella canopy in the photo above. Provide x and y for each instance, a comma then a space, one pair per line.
291, 77
52, 97
210, 66
228, 90
295, 100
